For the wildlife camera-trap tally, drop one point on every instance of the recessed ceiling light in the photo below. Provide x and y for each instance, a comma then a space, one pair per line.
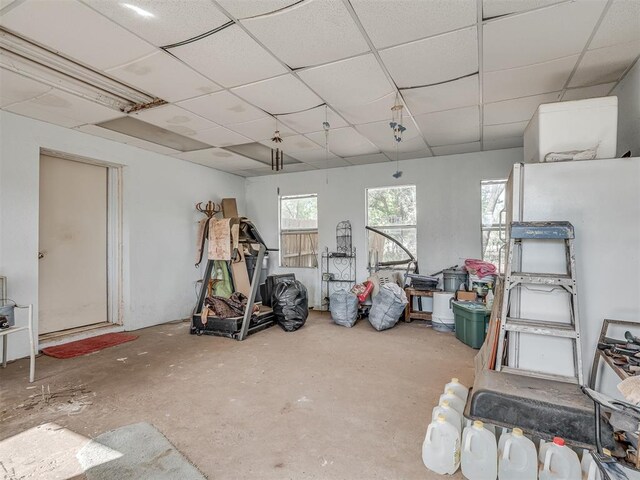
140, 11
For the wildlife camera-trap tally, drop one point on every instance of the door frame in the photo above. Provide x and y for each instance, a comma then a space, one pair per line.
115, 313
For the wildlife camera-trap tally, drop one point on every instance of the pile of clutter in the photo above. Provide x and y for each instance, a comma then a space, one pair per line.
486, 452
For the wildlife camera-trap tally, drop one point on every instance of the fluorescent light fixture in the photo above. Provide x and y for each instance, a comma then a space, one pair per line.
38, 63
140, 11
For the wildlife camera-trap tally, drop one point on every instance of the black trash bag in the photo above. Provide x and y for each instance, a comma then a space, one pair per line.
290, 305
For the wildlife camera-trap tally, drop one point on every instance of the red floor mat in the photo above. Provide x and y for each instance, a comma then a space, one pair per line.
88, 345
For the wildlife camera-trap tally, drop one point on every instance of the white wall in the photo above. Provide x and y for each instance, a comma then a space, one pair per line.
628, 93
448, 203
159, 219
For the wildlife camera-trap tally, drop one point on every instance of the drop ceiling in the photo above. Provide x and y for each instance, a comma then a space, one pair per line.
469, 73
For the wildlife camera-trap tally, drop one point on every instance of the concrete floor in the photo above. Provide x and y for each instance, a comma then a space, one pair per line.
322, 402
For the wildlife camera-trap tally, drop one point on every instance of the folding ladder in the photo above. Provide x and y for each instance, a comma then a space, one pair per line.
520, 232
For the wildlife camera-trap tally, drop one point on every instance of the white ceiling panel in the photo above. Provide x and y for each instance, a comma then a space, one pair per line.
280, 95
255, 172
126, 139
331, 163
220, 159
262, 129
540, 35
380, 134
517, 110
604, 65
504, 130
220, 137
450, 127
500, 143
163, 22
76, 31
530, 80
345, 142
229, 57
371, 112
5, 3
176, 119
355, 81
309, 33
497, 8
621, 24
63, 109
163, 76
457, 149
315, 155
311, 120
410, 155
444, 96
16, 88
433, 60
223, 108
394, 22
581, 93
296, 144
367, 159
253, 8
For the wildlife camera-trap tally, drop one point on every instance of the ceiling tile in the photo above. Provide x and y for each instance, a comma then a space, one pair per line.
5, 3
517, 110
296, 144
223, 108
530, 80
444, 96
345, 142
163, 76
253, 8
229, 57
299, 167
63, 109
606, 64
309, 33
175, 119
255, 172
541, 35
126, 139
457, 149
262, 129
16, 88
425, 153
280, 95
314, 155
76, 31
450, 127
434, 60
311, 120
331, 163
395, 22
497, 8
371, 112
220, 137
504, 130
367, 159
500, 143
380, 134
355, 81
621, 24
595, 91
220, 159
166, 22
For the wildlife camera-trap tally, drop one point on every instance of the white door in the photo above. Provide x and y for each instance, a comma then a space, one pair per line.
72, 277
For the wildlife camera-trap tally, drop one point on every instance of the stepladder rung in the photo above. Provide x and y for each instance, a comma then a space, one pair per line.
540, 327
550, 279
542, 231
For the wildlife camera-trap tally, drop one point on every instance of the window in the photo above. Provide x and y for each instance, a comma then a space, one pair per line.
393, 211
493, 230
299, 231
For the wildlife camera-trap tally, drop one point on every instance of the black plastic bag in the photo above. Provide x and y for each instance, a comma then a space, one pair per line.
290, 305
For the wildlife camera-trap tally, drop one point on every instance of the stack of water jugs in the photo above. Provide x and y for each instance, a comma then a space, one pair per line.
513, 456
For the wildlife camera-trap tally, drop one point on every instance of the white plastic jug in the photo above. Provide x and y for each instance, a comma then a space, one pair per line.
590, 470
517, 457
450, 415
454, 401
459, 389
441, 447
479, 455
558, 462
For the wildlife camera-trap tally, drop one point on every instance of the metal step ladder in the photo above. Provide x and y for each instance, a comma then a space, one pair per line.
520, 232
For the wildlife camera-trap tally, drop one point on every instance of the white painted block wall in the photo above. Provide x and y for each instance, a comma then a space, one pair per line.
448, 201
159, 219
628, 93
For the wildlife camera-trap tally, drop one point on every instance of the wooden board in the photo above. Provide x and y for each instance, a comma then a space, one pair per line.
229, 208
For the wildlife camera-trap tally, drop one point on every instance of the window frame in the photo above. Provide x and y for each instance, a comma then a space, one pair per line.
282, 231
499, 227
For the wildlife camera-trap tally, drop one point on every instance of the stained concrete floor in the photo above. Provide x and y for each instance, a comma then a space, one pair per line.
323, 402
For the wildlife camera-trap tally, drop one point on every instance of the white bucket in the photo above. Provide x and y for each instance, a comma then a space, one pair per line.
442, 318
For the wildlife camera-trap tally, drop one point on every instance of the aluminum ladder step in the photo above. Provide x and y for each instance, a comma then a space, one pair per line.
542, 230
540, 327
553, 279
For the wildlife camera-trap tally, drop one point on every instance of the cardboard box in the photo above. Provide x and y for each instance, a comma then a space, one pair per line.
465, 296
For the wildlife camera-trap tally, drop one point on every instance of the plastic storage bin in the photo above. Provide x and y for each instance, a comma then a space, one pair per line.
471, 322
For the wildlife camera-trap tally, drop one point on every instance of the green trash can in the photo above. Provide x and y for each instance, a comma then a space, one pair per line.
472, 321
